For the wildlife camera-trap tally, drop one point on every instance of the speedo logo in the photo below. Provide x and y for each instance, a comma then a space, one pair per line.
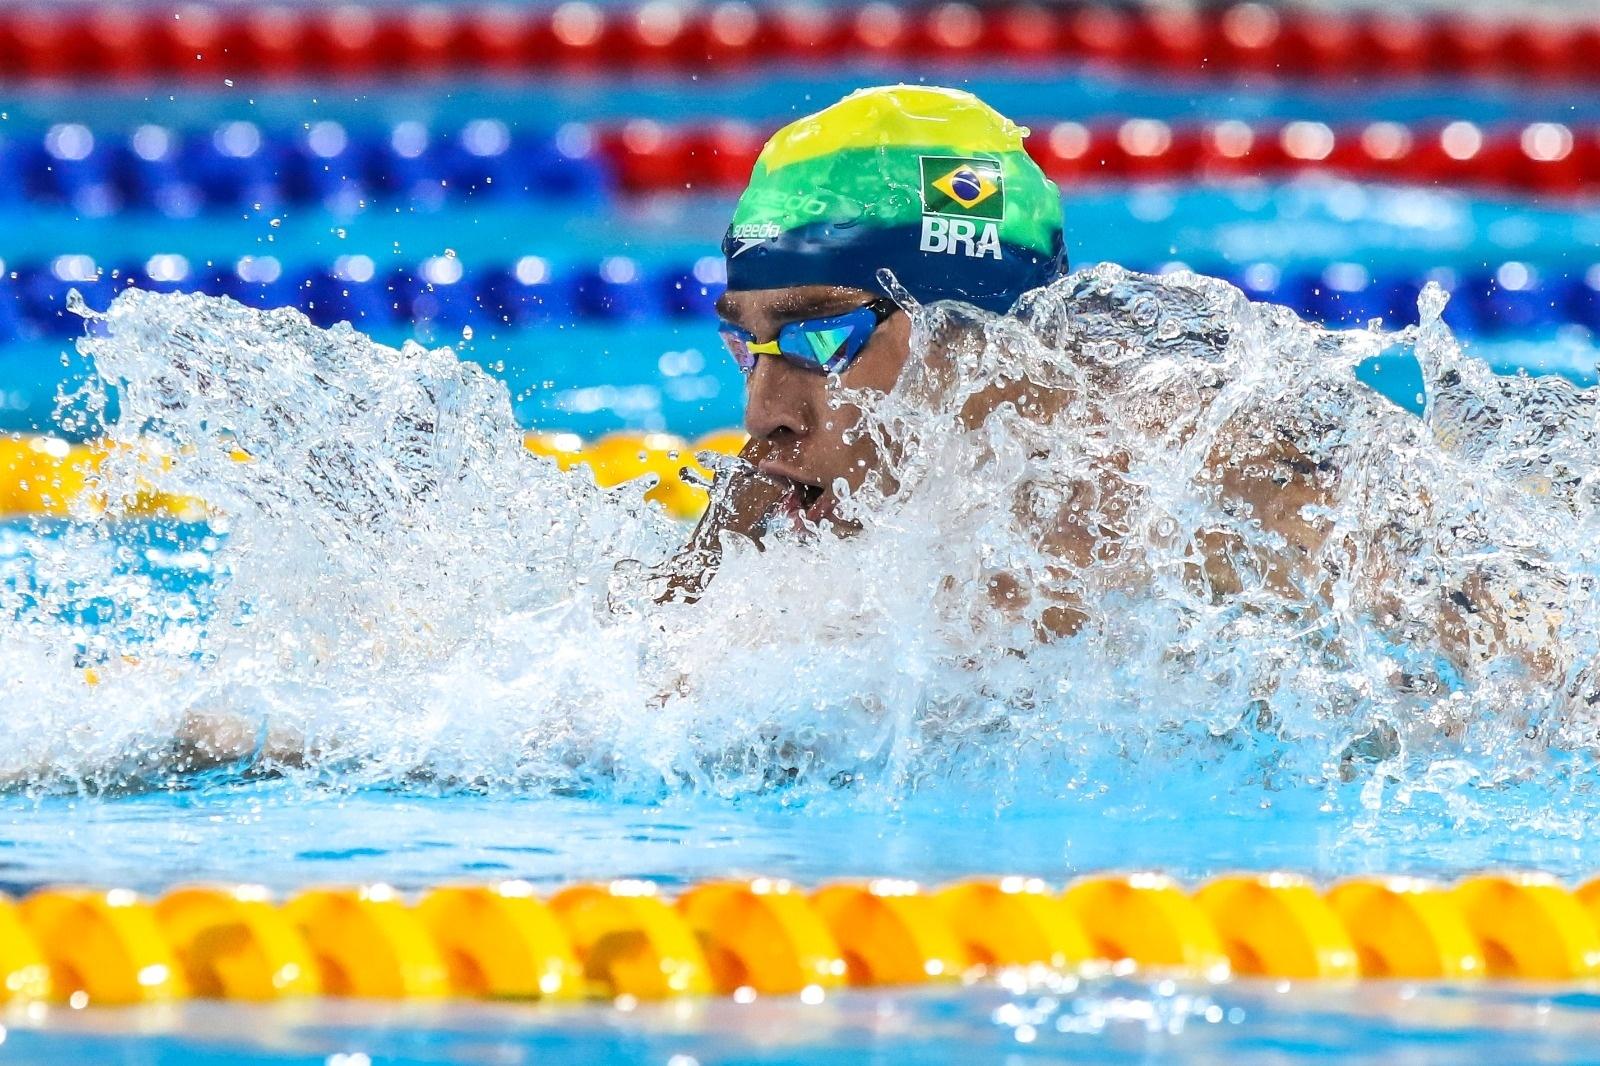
960, 236
750, 234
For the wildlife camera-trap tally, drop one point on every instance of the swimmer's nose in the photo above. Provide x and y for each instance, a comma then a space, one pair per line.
775, 400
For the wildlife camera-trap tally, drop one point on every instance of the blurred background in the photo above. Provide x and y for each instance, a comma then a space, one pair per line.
544, 186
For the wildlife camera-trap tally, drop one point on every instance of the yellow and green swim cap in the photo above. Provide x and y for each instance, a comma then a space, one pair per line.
931, 183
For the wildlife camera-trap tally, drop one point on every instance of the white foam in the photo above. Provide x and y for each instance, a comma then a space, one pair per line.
405, 594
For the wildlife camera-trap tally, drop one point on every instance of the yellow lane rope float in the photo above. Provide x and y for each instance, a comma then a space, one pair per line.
622, 457
234, 944
768, 937
52, 478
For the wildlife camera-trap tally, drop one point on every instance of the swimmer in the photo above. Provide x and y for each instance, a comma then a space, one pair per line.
936, 187
933, 189
929, 184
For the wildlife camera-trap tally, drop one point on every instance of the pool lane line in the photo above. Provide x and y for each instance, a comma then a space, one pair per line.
445, 294
626, 941
241, 165
211, 43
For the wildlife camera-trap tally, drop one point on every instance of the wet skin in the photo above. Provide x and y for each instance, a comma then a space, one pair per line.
801, 441
798, 429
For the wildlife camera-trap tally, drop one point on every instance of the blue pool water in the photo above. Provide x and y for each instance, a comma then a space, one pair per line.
1247, 1022
289, 834
532, 760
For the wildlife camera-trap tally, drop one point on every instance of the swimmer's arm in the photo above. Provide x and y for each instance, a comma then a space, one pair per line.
206, 741
1286, 492
1087, 529
1477, 618
1087, 540
1482, 618
200, 743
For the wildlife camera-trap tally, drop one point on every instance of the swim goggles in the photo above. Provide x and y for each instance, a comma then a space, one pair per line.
822, 345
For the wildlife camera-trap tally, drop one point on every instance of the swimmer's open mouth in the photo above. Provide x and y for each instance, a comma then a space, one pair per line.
804, 503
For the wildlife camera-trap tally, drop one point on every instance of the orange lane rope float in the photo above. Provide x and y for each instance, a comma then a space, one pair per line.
768, 937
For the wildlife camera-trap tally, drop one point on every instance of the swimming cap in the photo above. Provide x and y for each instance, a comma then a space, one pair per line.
931, 183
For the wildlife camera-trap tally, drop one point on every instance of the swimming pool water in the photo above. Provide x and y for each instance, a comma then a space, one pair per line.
592, 376
1252, 1023
1195, 802
287, 834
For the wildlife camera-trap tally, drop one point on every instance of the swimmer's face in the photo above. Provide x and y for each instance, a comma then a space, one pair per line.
793, 412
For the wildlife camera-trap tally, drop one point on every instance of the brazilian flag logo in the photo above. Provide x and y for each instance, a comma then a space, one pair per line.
967, 187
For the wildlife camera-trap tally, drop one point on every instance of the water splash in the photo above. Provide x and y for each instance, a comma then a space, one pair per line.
1183, 543
1271, 571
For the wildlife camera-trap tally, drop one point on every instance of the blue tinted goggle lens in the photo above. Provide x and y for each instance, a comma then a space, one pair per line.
827, 344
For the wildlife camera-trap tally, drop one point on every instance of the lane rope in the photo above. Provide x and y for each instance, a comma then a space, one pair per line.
439, 297
770, 937
210, 43
239, 165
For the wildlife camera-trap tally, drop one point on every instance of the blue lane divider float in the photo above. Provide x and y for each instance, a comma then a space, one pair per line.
1507, 299
443, 294
439, 291
240, 165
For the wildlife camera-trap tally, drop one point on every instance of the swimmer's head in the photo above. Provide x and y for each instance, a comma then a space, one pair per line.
930, 184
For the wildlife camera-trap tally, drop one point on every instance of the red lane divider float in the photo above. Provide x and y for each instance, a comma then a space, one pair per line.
1544, 157
1249, 38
